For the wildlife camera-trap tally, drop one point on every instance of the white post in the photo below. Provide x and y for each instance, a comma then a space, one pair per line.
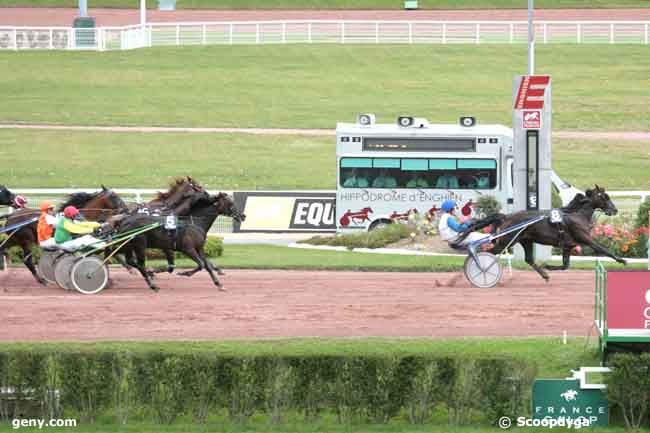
284, 33
52, 39
531, 39
143, 22
230, 33
544, 31
410, 33
646, 33
478, 33
203, 34
342, 32
579, 33
149, 31
512, 33
15, 39
71, 38
611, 33
178, 34
444, 33
377, 32
309, 32
257, 33
98, 39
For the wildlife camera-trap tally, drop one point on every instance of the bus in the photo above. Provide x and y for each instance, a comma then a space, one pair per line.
387, 171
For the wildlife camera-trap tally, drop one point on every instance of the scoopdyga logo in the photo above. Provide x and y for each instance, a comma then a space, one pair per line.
564, 399
313, 213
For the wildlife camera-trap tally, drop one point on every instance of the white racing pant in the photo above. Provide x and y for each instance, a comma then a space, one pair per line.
82, 242
474, 236
48, 243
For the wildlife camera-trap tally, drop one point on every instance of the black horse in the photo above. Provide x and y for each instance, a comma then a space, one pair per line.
574, 229
97, 206
189, 237
6, 197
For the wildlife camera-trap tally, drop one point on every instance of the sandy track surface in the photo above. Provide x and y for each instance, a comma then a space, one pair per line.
260, 304
120, 17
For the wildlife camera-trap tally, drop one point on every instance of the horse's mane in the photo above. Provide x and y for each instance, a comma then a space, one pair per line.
173, 187
78, 200
576, 203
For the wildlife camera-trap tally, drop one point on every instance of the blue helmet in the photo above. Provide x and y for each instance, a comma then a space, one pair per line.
448, 205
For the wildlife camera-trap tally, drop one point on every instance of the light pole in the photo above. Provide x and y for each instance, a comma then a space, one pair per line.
531, 39
143, 21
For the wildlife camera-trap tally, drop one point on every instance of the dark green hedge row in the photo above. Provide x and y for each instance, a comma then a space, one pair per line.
628, 388
162, 386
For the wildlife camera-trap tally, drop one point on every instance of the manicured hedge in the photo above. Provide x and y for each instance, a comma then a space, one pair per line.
161, 386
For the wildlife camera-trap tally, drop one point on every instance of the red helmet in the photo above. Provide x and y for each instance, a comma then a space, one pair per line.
20, 202
70, 212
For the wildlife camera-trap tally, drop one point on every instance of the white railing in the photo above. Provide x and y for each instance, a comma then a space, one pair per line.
323, 32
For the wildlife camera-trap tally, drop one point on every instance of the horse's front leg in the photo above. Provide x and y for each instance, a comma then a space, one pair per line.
171, 264
588, 241
566, 260
192, 254
528, 250
139, 262
28, 261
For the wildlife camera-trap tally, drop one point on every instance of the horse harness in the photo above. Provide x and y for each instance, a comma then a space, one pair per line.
557, 219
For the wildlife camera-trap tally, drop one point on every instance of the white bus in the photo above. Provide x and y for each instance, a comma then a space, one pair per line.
384, 171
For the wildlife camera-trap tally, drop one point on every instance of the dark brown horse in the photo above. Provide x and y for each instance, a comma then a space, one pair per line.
575, 229
6, 197
97, 207
189, 237
183, 193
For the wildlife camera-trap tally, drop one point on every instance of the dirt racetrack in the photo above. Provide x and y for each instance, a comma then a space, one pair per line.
260, 304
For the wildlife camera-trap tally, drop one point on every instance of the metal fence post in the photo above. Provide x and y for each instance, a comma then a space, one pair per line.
611, 33
15, 39
410, 32
71, 38
178, 34
203, 35
444, 33
646, 33
478, 33
512, 32
51, 44
98, 39
544, 31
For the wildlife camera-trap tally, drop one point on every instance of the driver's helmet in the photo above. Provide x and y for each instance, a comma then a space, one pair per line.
20, 202
448, 205
70, 212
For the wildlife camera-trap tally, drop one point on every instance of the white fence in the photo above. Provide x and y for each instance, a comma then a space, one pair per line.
323, 32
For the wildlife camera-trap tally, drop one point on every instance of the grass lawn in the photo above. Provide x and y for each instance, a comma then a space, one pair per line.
278, 257
596, 87
340, 4
67, 159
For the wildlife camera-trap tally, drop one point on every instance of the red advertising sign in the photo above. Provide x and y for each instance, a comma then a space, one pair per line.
628, 300
532, 119
531, 92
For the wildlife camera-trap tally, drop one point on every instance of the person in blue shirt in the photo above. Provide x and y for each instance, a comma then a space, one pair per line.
450, 228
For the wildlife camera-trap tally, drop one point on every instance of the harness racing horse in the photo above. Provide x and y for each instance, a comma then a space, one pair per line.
574, 229
189, 237
97, 206
6, 197
183, 193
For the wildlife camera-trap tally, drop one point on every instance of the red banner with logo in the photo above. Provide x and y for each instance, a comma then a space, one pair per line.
628, 300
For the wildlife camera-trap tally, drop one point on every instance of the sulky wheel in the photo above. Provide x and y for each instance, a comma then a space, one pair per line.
486, 273
89, 275
46, 265
62, 268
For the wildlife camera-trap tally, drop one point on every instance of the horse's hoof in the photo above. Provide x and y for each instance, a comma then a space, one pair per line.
42, 281
155, 288
221, 288
184, 274
220, 272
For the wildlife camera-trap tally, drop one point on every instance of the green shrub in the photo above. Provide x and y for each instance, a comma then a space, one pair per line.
377, 238
165, 385
642, 214
628, 388
487, 205
213, 247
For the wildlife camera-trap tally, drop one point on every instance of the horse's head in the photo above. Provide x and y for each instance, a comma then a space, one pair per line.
183, 194
6, 197
601, 200
226, 206
111, 200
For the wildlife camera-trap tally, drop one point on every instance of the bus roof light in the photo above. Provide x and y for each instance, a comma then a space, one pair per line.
366, 119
